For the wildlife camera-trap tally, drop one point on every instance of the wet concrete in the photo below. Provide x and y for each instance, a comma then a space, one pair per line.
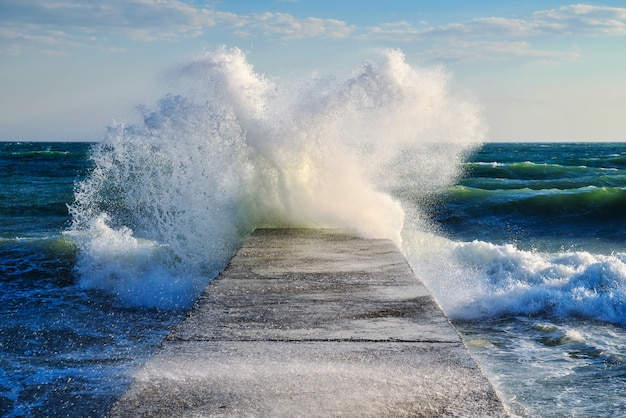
312, 323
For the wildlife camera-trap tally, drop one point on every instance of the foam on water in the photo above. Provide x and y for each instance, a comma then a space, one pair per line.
171, 198
479, 279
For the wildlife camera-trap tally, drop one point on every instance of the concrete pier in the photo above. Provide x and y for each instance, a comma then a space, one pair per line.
312, 323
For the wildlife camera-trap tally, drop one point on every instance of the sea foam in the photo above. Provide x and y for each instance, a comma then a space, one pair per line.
473, 280
171, 198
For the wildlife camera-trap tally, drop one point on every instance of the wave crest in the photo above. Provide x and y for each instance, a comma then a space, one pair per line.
233, 151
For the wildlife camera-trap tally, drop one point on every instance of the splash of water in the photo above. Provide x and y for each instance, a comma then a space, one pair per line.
478, 279
171, 198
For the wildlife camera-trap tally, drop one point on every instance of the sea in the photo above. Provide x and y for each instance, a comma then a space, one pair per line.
104, 246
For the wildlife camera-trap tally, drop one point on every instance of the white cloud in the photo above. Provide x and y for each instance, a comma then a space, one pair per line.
567, 20
586, 19
495, 51
289, 27
397, 31
498, 39
75, 24
49, 42
143, 20
56, 26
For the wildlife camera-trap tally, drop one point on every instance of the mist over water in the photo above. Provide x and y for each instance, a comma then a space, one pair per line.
171, 198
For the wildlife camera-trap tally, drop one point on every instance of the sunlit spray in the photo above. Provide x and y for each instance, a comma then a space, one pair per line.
170, 199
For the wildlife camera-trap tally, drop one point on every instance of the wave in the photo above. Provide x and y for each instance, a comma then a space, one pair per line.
557, 156
473, 280
41, 151
618, 161
594, 203
170, 199
527, 170
531, 215
591, 201
36, 260
48, 153
597, 179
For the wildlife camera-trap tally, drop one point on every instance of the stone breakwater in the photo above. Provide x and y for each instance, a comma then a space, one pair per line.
312, 323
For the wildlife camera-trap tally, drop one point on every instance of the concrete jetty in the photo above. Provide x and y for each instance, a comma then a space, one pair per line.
312, 323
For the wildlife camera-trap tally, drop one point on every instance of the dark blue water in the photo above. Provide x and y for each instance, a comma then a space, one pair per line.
540, 193
64, 351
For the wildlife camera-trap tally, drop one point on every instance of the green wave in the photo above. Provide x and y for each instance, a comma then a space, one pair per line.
595, 202
603, 180
526, 170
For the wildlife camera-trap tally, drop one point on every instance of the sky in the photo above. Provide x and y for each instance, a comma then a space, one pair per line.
542, 70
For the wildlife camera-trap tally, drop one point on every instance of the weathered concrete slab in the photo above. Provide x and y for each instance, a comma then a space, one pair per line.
313, 323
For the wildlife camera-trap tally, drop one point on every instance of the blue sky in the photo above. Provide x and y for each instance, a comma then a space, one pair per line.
542, 70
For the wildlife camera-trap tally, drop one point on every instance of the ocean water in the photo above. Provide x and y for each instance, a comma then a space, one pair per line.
529, 260
104, 246
64, 350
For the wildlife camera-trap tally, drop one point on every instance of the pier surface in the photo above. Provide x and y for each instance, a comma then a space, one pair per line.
312, 323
